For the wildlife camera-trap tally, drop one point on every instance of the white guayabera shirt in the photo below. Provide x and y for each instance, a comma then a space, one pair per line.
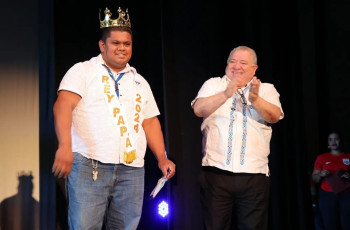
215, 130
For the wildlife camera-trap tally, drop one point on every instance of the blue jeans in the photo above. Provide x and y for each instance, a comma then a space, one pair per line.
335, 210
115, 198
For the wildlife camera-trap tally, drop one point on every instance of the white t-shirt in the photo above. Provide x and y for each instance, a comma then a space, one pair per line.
215, 129
98, 132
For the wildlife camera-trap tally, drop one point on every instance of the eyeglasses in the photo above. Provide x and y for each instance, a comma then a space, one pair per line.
243, 99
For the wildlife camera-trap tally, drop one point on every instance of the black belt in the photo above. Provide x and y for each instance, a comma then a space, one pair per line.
228, 173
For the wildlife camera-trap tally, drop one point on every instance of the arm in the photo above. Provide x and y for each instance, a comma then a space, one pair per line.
269, 112
155, 141
318, 175
205, 106
62, 110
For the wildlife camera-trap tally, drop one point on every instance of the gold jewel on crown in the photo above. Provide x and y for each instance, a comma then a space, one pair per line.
120, 21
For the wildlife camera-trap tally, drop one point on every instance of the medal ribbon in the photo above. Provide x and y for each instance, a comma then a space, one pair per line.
115, 81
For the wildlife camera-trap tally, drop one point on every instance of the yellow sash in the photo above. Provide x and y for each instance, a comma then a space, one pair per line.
119, 117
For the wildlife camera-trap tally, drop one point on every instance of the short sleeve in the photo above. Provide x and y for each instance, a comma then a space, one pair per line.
209, 88
75, 80
271, 95
151, 108
318, 163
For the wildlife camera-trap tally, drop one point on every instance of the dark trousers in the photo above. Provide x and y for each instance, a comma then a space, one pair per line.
335, 210
234, 199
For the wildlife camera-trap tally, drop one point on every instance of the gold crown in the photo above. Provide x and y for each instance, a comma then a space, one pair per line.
120, 21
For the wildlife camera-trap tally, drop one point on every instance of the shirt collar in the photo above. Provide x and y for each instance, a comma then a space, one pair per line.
127, 68
247, 86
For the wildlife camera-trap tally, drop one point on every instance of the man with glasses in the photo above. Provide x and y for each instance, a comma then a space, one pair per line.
236, 110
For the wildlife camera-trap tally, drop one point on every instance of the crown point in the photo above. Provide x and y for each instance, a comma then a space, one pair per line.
122, 20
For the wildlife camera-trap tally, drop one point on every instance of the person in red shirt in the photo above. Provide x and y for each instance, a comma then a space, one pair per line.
334, 207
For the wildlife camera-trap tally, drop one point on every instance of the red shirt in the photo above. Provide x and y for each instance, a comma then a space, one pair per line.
332, 163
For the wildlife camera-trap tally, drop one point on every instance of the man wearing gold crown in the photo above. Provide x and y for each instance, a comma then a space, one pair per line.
236, 111
105, 115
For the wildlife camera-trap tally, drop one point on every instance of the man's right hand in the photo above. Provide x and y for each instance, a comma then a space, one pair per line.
230, 89
63, 162
233, 85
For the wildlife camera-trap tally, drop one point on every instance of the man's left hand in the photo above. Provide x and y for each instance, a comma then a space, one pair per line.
167, 167
254, 89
